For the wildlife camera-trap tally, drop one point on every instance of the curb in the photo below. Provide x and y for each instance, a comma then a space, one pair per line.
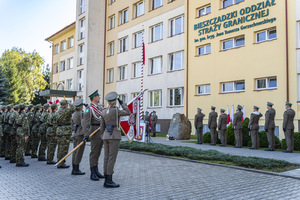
213, 164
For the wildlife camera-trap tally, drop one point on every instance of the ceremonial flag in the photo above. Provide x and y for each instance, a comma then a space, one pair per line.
244, 116
232, 113
228, 117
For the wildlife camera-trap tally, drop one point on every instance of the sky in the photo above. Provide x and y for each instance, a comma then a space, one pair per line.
27, 23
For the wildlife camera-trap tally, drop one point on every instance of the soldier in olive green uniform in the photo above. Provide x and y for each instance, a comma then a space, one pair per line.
222, 127
90, 123
42, 130
22, 135
63, 131
51, 135
288, 127
7, 129
30, 115
253, 127
237, 127
35, 130
212, 125
147, 122
2, 149
198, 123
110, 121
13, 132
77, 137
270, 126
153, 123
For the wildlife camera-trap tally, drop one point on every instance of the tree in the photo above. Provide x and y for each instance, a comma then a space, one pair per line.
24, 74
38, 99
4, 89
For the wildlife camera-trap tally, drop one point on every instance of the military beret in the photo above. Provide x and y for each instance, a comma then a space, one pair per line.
63, 102
94, 94
213, 108
78, 102
112, 96
46, 105
199, 109
222, 110
154, 111
288, 104
270, 104
147, 112
16, 107
255, 107
38, 106
239, 107
53, 106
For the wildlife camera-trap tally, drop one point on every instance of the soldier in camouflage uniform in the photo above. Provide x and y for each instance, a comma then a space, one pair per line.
64, 131
51, 135
42, 130
13, 144
1, 130
30, 115
2, 149
7, 129
22, 135
35, 130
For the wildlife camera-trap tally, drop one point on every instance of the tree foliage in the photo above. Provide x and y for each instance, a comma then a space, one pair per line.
38, 99
24, 74
4, 89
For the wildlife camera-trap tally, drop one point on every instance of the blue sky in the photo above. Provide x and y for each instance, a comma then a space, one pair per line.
26, 23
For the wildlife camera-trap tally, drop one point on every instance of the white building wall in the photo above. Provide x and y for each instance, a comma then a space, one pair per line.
298, 44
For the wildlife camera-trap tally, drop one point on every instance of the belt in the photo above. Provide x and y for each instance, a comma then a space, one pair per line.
64, 125
95, 124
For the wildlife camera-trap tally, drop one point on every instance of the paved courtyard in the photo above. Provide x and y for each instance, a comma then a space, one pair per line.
143, 177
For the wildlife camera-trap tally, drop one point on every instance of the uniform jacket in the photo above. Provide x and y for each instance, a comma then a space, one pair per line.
52, 124
23, 124
36, 122
147, 118
254, 119
288, 119
222, 125
153, 120
270, 116
76, 120
90, 122
30, 118
11, 121
64, 115
237, 121
212, 119
199, 120
44, 125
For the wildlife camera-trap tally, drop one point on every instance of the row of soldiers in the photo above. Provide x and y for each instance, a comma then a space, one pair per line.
288, 126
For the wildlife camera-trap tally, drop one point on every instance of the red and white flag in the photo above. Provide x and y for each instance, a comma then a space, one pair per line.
232, 113
228, 117
244, 116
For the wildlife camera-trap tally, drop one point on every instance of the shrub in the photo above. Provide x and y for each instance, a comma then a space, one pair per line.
263, 141
230, 135
245, 132
207, 138
296, 142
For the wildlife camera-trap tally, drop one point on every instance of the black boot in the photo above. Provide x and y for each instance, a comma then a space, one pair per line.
22, 165
76, 170
98, 173
94, 176
109, 182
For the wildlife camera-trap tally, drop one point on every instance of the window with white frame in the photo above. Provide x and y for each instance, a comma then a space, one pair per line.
123, 97
70, 63
203, 89
236, 86
226, 3
156, 33
123, 16
203, 50
63, 45
80, 80
139, 9
137, 69
266, 83
233, 43
177, 26
110, 75
204, 10
69, 84
82, 29
111, 1
111, 22
156, 65
62, 66
122, 73
155, 98
134, 94
111, 47
138, 39
266, 35
156, 4
123, 44
55, 70
81, 54
71, 42
82, 6
176, 97
56, 47
176, 60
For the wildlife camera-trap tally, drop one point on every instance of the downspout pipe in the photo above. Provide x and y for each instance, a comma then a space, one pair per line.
187, 61
287, 50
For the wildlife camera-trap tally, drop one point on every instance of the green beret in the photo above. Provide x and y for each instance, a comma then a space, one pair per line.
255, 107
239, 107
38, 106
16, 107
94, 94
199, 109
63, 102
112, 96
154, 111
213, 108
222, 110
270, 104
46, 105
78, 103
147, 112
288, 104
53, 106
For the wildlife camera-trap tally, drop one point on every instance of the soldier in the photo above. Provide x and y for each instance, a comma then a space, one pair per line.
90, 122
153, 123
42, 130
212, 125
22, 135
253, 127
51, 135
110, 120
2, 149
13, 132
288, 127
270, 126
199, 125
63, 131
147, 122
237, 127
7, 129
222, 127
35, 130
30, 115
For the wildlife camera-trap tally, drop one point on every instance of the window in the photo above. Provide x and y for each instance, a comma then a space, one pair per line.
266, 35
123, 97
137, 70
111, 48
227, 3
123, 16
111, 22
56, 68
81, 54
177, 26
133, 95
82, 29
203, 50
203, 11
123, 44
80, 80
233, 43
266, 83
156, 32
62, 66
122, 73
56, 48
111, 1
203, 89
71, 42
63, 45
233, 86
156, 3
138, 39
176, 60
70, 63
110, 75
139, 9
176, 97
155, 98
82, 6
69, 84
156, 65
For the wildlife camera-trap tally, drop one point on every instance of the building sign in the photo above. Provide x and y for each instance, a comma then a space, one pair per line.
210, 29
